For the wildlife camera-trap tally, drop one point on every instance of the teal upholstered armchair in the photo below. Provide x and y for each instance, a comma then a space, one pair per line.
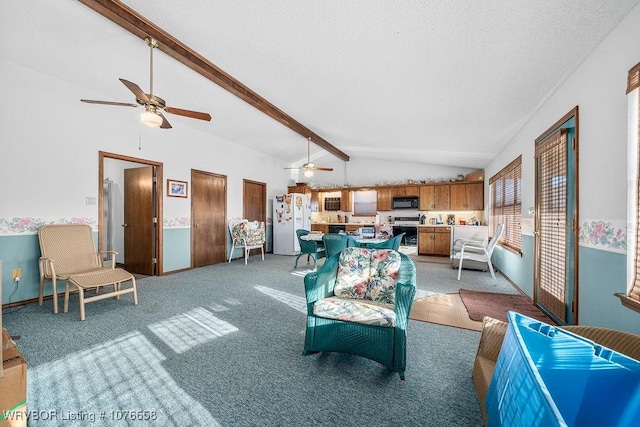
358, 302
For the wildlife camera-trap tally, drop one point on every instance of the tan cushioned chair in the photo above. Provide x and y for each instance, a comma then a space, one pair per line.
69, 254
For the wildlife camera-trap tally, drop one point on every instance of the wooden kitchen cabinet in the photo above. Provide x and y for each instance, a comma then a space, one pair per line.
384, 198
467, 196
345, 201
398, 191
412, 190
323, 228
351, 227
434, 197
434, 240
316, 201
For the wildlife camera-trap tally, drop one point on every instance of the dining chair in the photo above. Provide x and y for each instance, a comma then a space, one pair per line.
334, 243
482, 253
308, 247
392, 243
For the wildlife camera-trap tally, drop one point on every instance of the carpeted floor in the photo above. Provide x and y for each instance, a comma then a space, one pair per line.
221, 345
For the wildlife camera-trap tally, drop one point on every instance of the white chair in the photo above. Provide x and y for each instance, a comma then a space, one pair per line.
246, 235
482, 253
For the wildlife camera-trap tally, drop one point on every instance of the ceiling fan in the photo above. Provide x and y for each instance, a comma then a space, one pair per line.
310, 167
152, 115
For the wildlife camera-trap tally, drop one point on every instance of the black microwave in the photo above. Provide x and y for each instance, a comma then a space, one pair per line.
405, 202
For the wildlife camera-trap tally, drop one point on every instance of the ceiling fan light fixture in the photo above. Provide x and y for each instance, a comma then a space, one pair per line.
151, 119
308, 173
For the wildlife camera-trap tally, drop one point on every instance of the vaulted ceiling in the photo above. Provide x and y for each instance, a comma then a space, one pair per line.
436, 82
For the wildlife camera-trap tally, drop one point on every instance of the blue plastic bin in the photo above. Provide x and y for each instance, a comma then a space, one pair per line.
546, 376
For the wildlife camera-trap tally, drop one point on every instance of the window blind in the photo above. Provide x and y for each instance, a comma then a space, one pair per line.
633, 80
551, 163
506, 204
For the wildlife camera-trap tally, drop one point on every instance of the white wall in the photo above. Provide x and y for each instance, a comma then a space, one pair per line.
50, 143
597, 87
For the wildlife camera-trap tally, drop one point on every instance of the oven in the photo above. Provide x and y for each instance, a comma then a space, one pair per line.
410, 237
335, 228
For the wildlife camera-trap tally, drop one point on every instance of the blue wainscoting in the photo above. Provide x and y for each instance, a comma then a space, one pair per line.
21, 251
601, 274
519, 269
176, 253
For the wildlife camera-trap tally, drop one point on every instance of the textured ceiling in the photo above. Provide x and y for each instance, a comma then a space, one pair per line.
436, 82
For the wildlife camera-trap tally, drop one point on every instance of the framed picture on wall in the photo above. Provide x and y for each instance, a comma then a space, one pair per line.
176, 188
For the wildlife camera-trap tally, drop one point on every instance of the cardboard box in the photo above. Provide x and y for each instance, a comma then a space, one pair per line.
475, 176
13, 386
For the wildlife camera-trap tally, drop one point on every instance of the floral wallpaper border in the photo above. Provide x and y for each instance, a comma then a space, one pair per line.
608, 235
29, 225
177, 222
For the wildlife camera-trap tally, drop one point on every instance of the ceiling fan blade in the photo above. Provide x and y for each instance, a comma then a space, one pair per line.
139, 93
165, 123
188, 113
119, 104
293, 168
323, 169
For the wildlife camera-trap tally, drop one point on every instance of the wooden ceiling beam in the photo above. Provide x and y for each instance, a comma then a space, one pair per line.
138, 25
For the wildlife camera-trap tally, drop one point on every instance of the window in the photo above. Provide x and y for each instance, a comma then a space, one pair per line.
632, 298
365, 202
506, 204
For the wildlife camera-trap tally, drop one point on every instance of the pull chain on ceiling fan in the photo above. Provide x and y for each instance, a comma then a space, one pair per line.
310, 167
152, 115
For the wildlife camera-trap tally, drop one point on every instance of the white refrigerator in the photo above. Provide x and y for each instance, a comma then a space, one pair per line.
290, 212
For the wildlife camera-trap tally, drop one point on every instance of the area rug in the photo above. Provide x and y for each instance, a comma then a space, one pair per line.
443, 309
481, 304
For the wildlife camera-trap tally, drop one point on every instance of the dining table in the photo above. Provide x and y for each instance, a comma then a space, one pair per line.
363, 242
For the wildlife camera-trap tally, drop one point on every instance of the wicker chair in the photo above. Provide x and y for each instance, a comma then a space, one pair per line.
308, 248
381, 334
494, 331
246, 236
392, 243
69, 254
335, 243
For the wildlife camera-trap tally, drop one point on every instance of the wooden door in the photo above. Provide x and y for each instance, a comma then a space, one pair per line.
254, 202
208, 218
139, 227
556, 231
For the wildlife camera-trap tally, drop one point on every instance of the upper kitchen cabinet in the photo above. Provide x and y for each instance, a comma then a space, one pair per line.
434, 197
316, 201
412, 190
345, 201
467, 196
384, 198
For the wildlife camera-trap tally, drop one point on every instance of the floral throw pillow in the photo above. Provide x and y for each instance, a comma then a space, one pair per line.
385, 268
354, 271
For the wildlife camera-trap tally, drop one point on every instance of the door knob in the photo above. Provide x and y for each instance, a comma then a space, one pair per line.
125, 225
196, 225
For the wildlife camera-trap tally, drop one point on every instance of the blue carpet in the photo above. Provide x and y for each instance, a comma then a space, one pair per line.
221, 345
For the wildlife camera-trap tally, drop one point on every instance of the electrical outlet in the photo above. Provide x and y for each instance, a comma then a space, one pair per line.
16, 272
